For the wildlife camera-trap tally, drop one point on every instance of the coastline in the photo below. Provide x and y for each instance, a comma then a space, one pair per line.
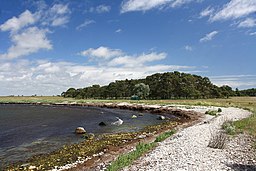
116, 140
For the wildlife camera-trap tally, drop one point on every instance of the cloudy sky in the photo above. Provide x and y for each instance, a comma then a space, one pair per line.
48, 46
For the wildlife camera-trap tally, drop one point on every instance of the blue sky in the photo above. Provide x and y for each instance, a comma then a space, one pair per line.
48, 46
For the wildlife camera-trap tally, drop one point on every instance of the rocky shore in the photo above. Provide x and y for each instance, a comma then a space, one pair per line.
188, 149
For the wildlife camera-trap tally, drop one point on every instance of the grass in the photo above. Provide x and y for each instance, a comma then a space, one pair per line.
127, 159
142, 148
247, 125
164, 135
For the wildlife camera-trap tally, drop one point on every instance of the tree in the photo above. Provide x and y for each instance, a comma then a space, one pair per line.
141, 90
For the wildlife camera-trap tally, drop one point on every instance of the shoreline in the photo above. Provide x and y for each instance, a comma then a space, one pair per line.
182, 117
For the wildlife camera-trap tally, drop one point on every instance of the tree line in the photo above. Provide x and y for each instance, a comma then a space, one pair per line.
169, 85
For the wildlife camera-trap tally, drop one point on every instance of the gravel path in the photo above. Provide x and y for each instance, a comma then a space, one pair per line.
187, 150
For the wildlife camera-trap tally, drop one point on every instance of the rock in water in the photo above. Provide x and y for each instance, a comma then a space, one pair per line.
134, 116
102, 124
161, 118
118, 122
80, 130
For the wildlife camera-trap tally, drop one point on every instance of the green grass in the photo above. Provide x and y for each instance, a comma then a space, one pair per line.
247, 125
142, 148
127, 159
164, 135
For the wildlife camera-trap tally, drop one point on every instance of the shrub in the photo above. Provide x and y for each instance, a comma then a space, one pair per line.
219, 110
212, 112
229, 127
218, 140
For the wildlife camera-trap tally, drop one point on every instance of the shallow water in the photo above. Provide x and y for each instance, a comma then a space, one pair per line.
27, 130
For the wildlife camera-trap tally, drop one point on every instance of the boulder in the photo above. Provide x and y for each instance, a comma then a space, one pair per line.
134, 116
161, 117
80, 130
102, 124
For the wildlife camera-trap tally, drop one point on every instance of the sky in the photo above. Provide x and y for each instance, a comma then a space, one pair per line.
48, 46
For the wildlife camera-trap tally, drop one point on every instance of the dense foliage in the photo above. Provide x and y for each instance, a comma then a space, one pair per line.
170, 85
248, 92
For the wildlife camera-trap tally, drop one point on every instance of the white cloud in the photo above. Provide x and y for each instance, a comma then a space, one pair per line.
51, 78
14, 24
249, 22
188, 48
85, 24
252, 34
28, 41
209, 36
101, 52
57, 15
178, 3
144, 5
102, 9
118, 30
235, 9
235, 81
28, 32
133, 61
207, 12
60, 9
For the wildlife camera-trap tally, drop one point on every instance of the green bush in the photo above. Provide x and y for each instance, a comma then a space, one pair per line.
229, 127
212, 112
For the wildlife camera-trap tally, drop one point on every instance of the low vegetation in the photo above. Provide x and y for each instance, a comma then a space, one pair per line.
127, 159
142, 148
218, 140
229, 127
164, 135
212, 112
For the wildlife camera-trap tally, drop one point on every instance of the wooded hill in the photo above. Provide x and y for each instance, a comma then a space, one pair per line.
169, 85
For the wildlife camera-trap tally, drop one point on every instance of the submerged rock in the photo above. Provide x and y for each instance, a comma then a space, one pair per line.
102, 124
80, 130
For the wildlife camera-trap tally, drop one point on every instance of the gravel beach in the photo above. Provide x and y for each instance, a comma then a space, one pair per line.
188, 148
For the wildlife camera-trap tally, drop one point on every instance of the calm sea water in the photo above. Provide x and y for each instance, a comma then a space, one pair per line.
27, 130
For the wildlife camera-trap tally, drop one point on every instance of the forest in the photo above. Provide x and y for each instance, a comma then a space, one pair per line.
169, 85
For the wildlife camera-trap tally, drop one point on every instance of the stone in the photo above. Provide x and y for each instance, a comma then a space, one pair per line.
102, 124
161, 117
80, 130
134, 116
32, 167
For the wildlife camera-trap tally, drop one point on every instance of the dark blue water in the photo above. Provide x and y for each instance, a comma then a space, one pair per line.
27, 130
